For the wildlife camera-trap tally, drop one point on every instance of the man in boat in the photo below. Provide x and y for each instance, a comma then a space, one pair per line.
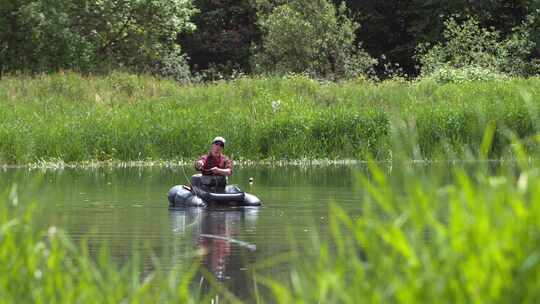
215, 168
215, 163
211, 187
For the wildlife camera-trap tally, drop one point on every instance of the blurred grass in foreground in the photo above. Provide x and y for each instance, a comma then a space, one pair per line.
472, 238
46, 267
72, 118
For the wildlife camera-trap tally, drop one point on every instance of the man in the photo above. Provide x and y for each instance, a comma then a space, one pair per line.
215, 163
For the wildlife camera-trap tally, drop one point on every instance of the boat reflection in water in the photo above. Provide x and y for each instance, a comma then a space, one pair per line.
220, 234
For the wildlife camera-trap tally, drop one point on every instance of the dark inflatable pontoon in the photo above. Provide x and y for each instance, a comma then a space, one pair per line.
208, 190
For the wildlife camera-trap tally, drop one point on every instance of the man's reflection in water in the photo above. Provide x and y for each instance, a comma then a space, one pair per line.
217, 233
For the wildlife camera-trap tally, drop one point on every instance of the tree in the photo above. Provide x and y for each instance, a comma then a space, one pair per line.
312, 37
395, 28
467, 44
90, 35
226, 29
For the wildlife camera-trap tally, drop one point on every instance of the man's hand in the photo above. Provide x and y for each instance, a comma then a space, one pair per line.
200, 164
216, 171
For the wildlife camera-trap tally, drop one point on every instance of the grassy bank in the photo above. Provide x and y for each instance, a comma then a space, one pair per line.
420, 238
124, 117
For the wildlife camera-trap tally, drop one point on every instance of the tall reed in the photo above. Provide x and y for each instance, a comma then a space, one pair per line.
69, 117
471, 238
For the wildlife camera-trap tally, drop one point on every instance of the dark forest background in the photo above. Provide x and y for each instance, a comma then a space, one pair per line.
390, 30
213, 39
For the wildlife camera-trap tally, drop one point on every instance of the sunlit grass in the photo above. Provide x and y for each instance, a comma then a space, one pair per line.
72, 118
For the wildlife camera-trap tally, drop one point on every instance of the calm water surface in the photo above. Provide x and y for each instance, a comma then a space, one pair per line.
127, 211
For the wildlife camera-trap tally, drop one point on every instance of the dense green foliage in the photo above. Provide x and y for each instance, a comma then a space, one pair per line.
89, 36
310, 37
395, 28
126, 117
390, 30
224, 38
467, 46
220, 47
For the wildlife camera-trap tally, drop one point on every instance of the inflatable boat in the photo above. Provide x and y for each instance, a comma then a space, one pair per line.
207, 190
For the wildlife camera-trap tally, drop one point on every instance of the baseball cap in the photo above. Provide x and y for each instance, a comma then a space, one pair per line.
219, 139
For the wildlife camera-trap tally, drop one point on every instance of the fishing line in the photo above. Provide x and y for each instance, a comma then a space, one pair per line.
185, 175
193, 189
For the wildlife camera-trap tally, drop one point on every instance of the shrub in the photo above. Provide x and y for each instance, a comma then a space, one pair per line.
174, 65
446, 74
471, 52
310, 37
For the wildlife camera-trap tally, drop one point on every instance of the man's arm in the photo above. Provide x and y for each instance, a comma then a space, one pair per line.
224, 172
227, 171
199, 164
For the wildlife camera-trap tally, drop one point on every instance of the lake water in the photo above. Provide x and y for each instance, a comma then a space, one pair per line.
126, 209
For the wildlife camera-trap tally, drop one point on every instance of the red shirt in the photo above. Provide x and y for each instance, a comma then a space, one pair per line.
211, 161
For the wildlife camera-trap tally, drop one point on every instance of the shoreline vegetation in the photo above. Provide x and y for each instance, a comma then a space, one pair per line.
92, 164
178, 163
68, 118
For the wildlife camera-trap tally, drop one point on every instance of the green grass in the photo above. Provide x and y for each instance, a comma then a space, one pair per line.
471, 239
73, 118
